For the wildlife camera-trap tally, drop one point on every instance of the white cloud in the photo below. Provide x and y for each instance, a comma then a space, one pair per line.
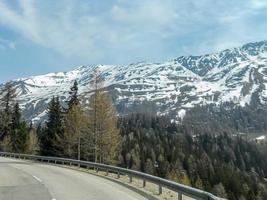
84, 34
258, 4
130, 30
21, 23
7, 44
146, 12
140, 21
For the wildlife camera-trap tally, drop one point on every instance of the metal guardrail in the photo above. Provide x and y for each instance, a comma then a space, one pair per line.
176, 187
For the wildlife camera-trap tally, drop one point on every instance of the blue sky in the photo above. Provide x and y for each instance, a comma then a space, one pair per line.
40, 36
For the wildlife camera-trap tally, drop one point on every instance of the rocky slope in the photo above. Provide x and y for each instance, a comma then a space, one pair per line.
172, 87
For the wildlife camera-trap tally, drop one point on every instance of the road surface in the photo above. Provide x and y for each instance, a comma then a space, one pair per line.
22, 180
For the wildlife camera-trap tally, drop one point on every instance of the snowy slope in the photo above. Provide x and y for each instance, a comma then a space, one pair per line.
171, 87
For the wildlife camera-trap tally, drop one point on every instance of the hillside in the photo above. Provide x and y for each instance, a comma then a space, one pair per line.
171, 87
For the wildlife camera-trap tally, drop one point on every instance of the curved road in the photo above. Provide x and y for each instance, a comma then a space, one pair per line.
31, 181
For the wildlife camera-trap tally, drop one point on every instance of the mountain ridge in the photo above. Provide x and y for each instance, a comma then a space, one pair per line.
171, 87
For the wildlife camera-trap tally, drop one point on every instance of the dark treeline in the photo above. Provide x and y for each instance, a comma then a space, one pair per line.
224, 165
228, 117
15, 134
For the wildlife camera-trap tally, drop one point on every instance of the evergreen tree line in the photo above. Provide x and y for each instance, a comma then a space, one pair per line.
225, 165
229, 117
15, 134
81, 133
74, 131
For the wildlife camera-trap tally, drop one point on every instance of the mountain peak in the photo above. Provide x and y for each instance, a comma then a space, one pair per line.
171, 88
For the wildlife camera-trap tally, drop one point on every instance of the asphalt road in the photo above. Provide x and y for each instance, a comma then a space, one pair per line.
22, 180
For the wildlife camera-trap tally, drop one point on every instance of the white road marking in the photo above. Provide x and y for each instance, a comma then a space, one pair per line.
38, 179
53, 199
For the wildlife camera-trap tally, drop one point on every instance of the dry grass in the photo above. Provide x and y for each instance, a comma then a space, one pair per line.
151, 189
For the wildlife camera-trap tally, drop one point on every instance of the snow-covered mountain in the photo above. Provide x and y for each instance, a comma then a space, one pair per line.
171, 87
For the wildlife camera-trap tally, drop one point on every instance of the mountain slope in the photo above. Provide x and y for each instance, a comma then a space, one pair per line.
238, 74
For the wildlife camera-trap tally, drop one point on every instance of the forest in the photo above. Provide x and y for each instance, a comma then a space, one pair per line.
204, 150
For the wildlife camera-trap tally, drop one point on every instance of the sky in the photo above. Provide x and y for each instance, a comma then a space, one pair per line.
41, 36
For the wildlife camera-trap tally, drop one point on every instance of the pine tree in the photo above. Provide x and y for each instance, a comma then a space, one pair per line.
73, 95
7, 102
52, 134
15, 127
19, 137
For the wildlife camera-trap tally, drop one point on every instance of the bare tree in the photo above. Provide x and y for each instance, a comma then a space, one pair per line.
75, 124
103, 123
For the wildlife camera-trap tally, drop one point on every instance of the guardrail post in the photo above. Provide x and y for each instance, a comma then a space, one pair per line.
180, 196
107, 173
118, 175
160, 189
144, 183
131, 179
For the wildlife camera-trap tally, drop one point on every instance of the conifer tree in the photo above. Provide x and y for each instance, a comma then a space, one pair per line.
73, 95
52, 134
15, 127
7, 101
19, 137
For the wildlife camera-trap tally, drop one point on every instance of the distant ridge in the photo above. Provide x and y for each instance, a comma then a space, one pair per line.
171, 87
